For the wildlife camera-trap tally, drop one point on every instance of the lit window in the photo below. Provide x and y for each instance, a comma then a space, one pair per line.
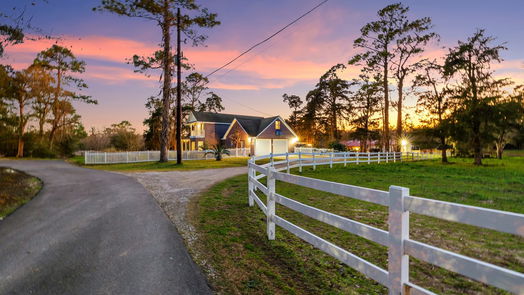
277, 125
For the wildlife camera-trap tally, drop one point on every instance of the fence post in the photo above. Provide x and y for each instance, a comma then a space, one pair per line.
271, 203
299, 161
387, 156
127, 157
105, 157
345, 158
271, 160
369, 157
85, 157
398, 220
358, 157
378, 158
287, 162
314, 163
251, 201
331, 160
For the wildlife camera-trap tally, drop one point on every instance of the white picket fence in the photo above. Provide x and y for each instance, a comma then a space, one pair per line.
400, 204
92, 158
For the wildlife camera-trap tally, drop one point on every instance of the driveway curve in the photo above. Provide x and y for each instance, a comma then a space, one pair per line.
92, 232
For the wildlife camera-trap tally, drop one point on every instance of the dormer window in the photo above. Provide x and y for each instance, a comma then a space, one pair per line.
278, 131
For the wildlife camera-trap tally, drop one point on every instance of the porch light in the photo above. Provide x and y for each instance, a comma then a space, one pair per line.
404, 142
294, 140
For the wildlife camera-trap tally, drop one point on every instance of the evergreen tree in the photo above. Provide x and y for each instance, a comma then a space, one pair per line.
470, 62
164, 14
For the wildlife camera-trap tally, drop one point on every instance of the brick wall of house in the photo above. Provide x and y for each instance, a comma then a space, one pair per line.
214, 132
244, 136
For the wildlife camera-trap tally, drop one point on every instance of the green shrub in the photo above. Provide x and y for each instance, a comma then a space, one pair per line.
337, 146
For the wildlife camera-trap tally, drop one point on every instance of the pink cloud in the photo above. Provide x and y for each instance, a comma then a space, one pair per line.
97, 47
300, 61
115, 75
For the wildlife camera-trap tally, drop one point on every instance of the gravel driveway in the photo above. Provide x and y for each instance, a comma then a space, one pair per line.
174, 191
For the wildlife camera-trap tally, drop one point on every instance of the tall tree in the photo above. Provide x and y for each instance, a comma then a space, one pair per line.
163, 13
8, 119
313, 122
337, 104
42, 90
378, 40
62, 63
197, 96
9, 35
508, 117
411, 42
194, 86
213, 103
14, 24
470, 62
18, 91
435, 98
295, 103
366, 104
153, 123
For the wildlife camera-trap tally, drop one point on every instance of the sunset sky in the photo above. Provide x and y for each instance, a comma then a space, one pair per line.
290, 63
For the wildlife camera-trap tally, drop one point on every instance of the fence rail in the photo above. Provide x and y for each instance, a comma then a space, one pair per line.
400, 204
152, 156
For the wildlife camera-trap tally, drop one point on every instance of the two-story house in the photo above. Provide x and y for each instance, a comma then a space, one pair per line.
261, 135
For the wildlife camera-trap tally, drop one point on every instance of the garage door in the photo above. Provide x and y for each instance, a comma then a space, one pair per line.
279, 146
262, 147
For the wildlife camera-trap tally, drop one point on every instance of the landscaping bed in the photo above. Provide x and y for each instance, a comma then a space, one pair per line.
16, 189
241, 260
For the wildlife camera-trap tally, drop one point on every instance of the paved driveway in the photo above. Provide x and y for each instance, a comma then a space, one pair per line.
92, 232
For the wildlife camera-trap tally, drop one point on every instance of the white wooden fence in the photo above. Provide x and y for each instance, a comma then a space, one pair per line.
152, 156
311, 150
400, 204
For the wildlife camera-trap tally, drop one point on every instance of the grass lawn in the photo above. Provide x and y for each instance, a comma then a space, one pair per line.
169, 166
16, 189
513, 153
243, 261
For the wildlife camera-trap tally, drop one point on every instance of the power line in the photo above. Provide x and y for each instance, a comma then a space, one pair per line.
246, 106
268, 38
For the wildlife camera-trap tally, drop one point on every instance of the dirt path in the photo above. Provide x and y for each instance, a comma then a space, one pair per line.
174, 191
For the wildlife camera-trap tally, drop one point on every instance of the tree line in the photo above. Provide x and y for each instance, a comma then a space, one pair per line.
460, 100
37, 116
43, 93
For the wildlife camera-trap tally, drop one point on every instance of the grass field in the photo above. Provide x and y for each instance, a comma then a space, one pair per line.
243, 261
513, 153
169, 166
16, 189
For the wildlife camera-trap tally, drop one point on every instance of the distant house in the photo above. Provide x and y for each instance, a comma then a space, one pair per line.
356, 145
261, 135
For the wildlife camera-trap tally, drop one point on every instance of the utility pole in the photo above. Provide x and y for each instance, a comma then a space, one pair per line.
178, 92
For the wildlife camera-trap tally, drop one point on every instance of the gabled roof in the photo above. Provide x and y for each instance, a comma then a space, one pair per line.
265, 122
251, 124
221, 118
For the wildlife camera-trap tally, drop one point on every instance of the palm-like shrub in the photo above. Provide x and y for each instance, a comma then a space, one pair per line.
217, 150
